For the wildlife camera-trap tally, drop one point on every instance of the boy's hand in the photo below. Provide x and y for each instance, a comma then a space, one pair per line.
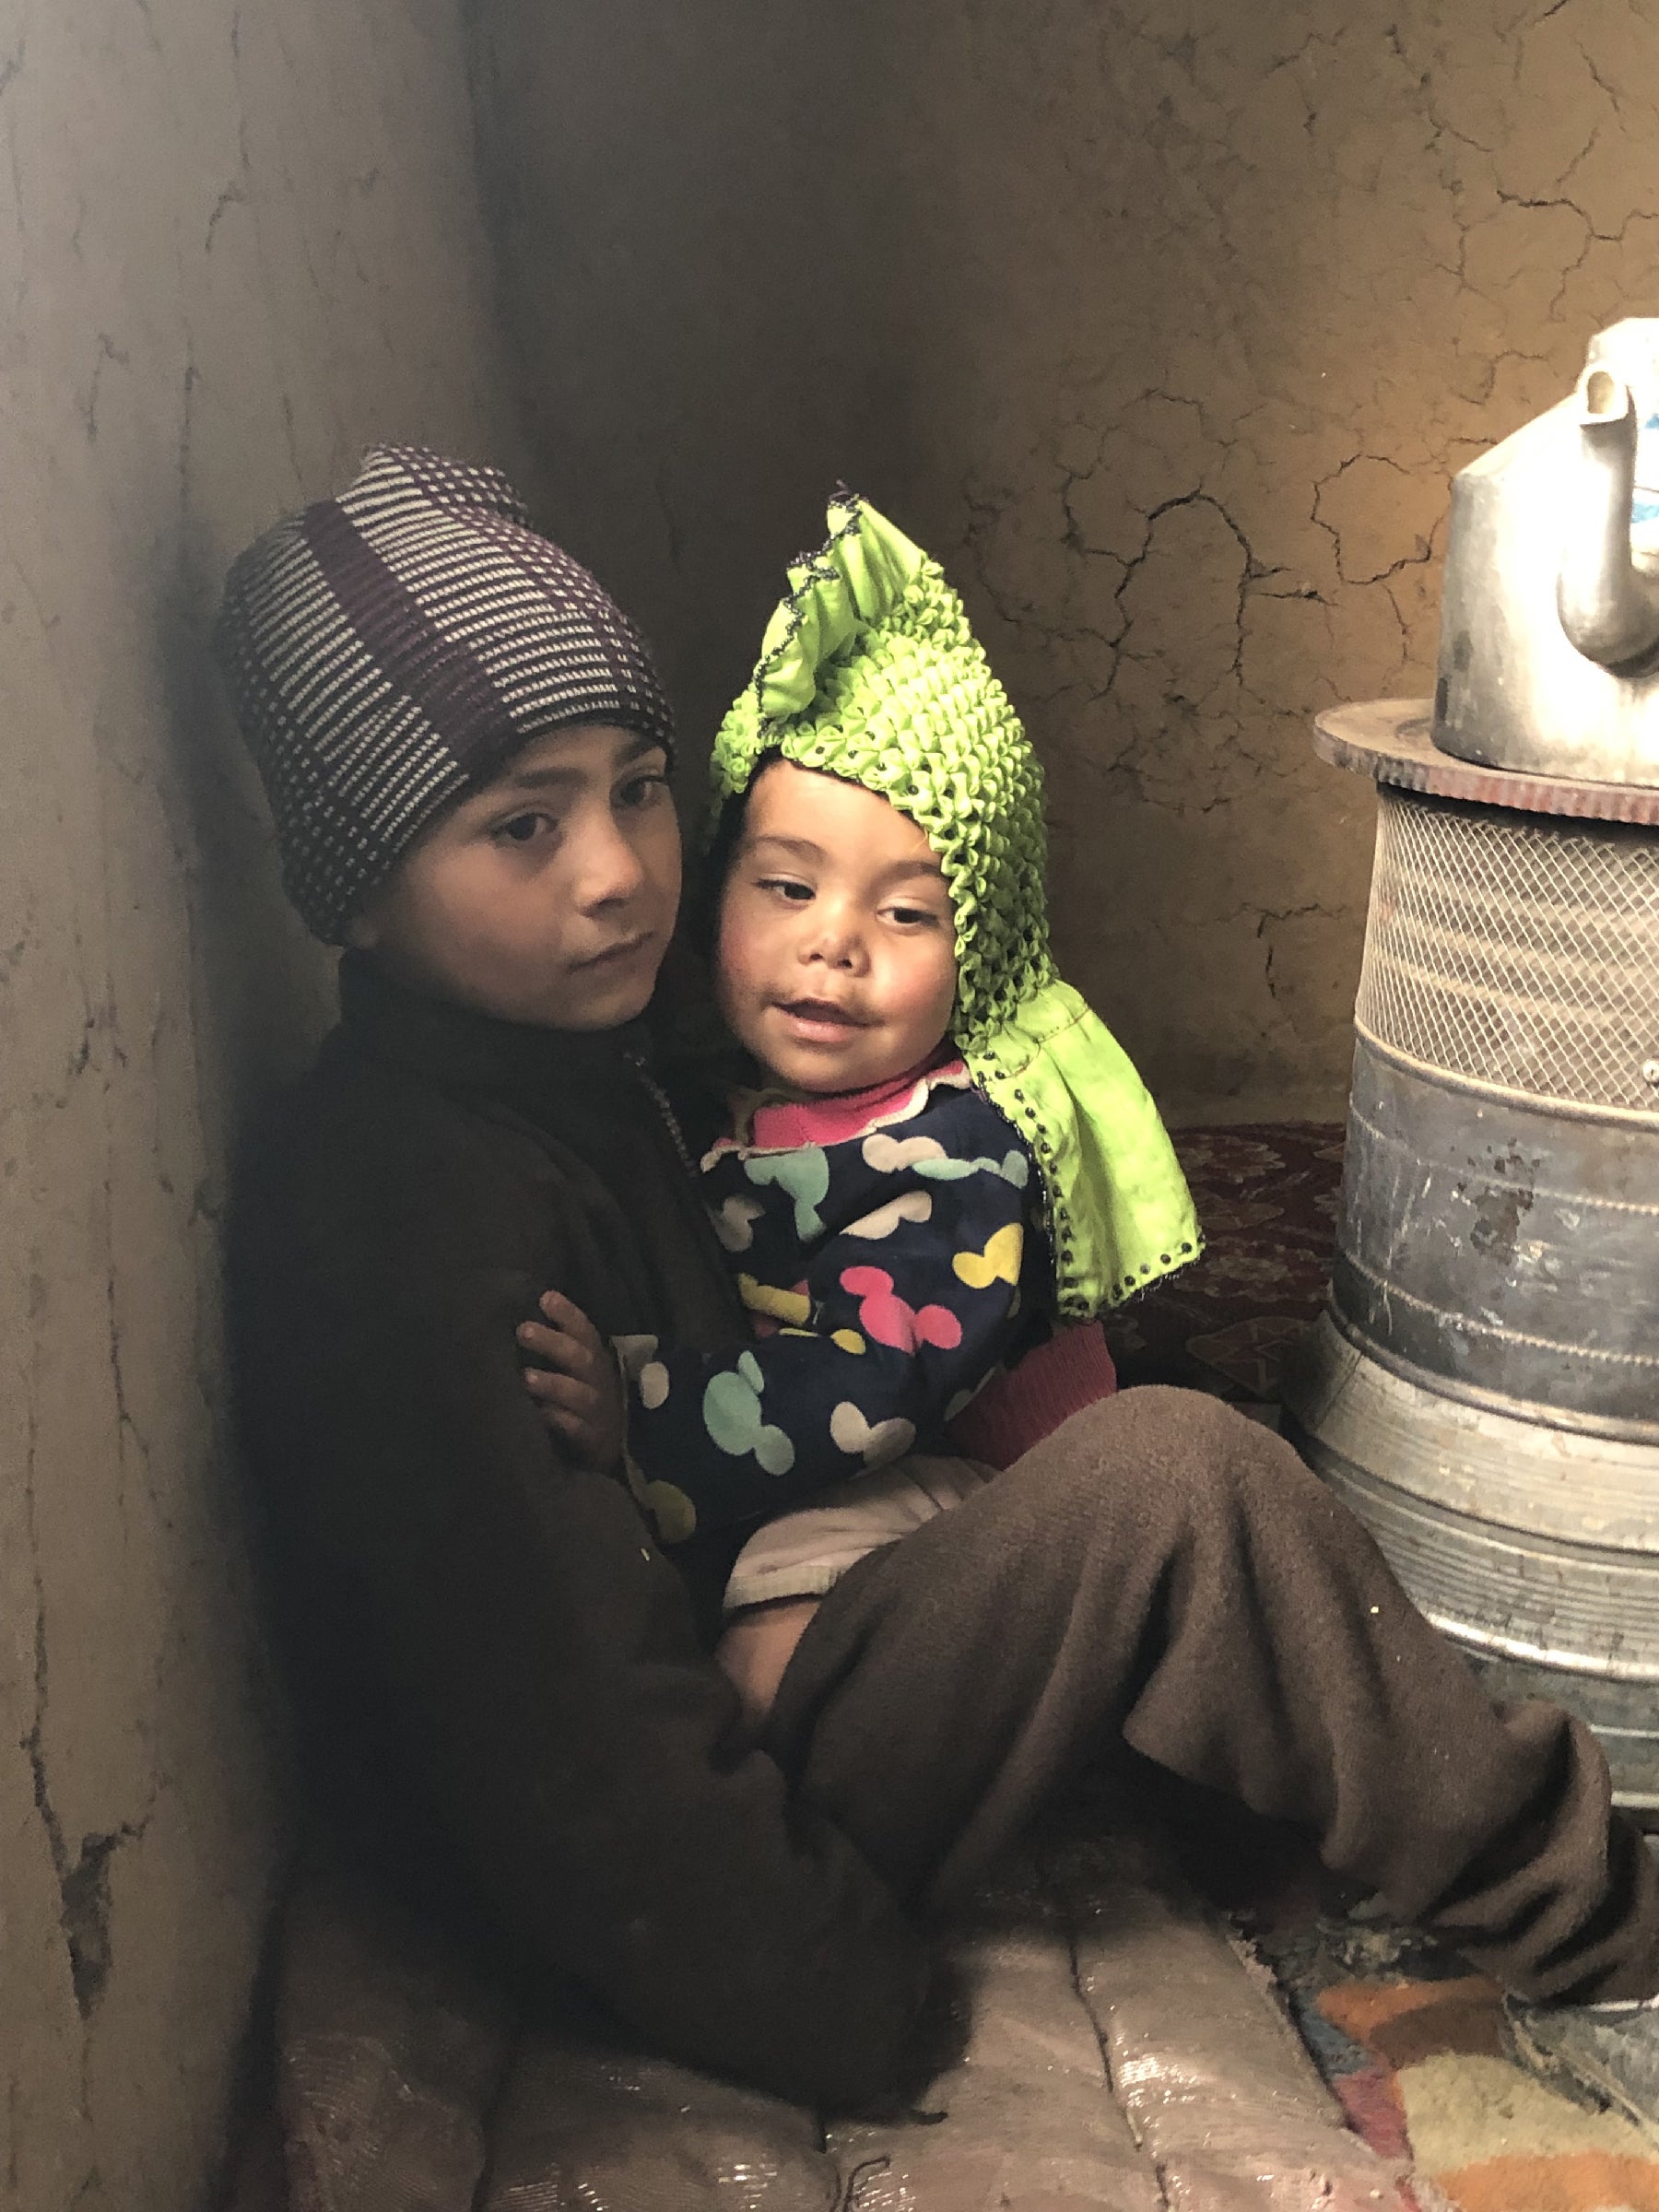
577, 1390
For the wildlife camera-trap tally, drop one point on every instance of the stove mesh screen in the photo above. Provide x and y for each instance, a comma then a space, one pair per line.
1519, 951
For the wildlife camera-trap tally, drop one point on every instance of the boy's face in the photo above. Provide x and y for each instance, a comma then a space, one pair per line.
836, 961
548, 896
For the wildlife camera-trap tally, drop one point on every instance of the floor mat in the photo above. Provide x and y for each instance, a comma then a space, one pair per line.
1414, 2047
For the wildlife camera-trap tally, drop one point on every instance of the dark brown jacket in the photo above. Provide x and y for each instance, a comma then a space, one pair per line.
486, 1643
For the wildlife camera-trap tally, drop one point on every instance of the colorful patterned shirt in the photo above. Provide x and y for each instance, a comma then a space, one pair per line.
888, 1245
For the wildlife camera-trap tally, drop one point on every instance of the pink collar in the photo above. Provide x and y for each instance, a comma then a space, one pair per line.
780, 1124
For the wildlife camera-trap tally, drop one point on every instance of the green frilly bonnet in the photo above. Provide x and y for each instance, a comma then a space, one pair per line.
868, 671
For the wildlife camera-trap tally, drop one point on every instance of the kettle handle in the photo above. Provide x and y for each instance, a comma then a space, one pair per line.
1608, 610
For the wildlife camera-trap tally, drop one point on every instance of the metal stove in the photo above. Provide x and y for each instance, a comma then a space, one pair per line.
1483, 1388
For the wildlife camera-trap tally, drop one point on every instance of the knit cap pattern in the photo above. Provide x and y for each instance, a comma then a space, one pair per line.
390, 650
870, 672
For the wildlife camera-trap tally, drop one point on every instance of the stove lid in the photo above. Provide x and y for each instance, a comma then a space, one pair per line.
1392, 741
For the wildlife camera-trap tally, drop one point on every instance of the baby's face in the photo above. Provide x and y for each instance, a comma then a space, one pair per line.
836, 960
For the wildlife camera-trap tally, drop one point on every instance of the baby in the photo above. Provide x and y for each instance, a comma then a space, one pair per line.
950, 1155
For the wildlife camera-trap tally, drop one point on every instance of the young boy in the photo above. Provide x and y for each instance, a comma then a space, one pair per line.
953, 1149
510, 1696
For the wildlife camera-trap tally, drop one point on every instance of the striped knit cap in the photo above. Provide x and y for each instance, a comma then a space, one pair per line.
869, 670
390, 650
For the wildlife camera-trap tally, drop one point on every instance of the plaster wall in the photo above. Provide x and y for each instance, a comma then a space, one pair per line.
235, 245
1165, 326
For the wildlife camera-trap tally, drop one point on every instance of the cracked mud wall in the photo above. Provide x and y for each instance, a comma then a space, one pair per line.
236, 246
1165, 326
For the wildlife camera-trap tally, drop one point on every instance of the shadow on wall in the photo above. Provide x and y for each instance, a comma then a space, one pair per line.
1165, 329
695, 231
263, 991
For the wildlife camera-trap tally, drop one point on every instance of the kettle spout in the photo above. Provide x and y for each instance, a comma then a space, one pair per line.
1608, 610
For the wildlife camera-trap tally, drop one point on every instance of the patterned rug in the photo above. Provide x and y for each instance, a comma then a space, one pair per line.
1411, 2042
1267, 1196
1413, 2046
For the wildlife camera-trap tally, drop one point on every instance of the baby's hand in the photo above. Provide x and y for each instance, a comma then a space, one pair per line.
577, 1390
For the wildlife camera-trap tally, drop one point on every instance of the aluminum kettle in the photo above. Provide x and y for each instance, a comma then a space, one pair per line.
1549, 612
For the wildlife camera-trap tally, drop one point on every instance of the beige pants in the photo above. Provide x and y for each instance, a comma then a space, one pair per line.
803, 1554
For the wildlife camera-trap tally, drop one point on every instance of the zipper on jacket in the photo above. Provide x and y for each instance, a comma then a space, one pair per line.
695, 1212
664, 1104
